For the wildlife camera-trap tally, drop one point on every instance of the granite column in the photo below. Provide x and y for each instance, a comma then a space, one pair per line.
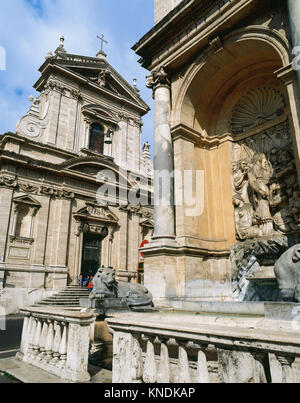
164, 232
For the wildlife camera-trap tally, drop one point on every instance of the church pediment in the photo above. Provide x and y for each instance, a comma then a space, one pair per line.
96, 212
96, 72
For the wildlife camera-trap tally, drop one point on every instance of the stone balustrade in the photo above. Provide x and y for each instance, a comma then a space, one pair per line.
57, 341
153, 348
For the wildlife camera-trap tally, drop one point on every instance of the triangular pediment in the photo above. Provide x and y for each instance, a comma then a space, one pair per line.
28, 200
98, 73
147, 223
96, 212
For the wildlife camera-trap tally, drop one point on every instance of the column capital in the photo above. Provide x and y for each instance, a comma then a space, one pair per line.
158, 78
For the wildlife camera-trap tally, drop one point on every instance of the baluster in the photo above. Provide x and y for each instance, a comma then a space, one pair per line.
32, 330
202, 368
63, 348
150, 370
43, 340
164, 374
56, 344
49, 341
183, 363
137, 360
37, 337
286, 362
25, 337
260, 372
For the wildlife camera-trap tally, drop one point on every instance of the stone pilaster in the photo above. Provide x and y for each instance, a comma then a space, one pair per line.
58, 243
6, 195
123, 241
60, 233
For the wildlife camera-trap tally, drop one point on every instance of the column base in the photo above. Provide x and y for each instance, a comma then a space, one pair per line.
170, 272
162, 242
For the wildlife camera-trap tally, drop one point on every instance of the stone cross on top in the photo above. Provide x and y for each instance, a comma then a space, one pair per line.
102, 42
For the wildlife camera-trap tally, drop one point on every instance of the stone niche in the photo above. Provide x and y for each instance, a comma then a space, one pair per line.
265, 190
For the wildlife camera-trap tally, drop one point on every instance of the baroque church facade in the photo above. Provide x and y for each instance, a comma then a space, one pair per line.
82, 134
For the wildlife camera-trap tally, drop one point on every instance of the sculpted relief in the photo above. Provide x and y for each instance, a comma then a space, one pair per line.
265, 184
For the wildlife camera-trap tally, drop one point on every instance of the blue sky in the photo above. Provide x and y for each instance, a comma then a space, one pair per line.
30, 28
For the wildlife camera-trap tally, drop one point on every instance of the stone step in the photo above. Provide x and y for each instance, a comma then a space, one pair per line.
73, 295
83, 290
67, 301
69, 296
62, 296
57, 304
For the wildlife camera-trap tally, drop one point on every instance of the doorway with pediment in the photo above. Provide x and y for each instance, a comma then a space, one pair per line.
91, 254
95, 229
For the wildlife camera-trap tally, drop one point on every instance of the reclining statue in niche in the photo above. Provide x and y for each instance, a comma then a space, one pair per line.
287, 272
106, 286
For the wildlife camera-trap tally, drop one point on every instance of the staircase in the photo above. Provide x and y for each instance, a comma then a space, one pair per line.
69, 297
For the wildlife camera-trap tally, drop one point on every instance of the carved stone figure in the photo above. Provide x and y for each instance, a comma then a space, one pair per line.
246, 221
264, 172
259, 177
240, 179
287, 272
283, 218
106, 286
287, 171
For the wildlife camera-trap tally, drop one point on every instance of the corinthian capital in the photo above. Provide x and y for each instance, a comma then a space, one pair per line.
157, 78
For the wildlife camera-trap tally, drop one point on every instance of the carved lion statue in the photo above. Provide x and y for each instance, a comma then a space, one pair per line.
287, 272
106, 286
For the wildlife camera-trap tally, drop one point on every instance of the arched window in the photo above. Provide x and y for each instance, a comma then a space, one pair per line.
97, 138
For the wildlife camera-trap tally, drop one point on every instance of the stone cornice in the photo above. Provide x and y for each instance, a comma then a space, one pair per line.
63, 188
182, 131
184, 251
188, 28
58, 170
15, 138
286, 74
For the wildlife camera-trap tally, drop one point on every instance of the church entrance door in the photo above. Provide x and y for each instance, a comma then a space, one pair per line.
91, 254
